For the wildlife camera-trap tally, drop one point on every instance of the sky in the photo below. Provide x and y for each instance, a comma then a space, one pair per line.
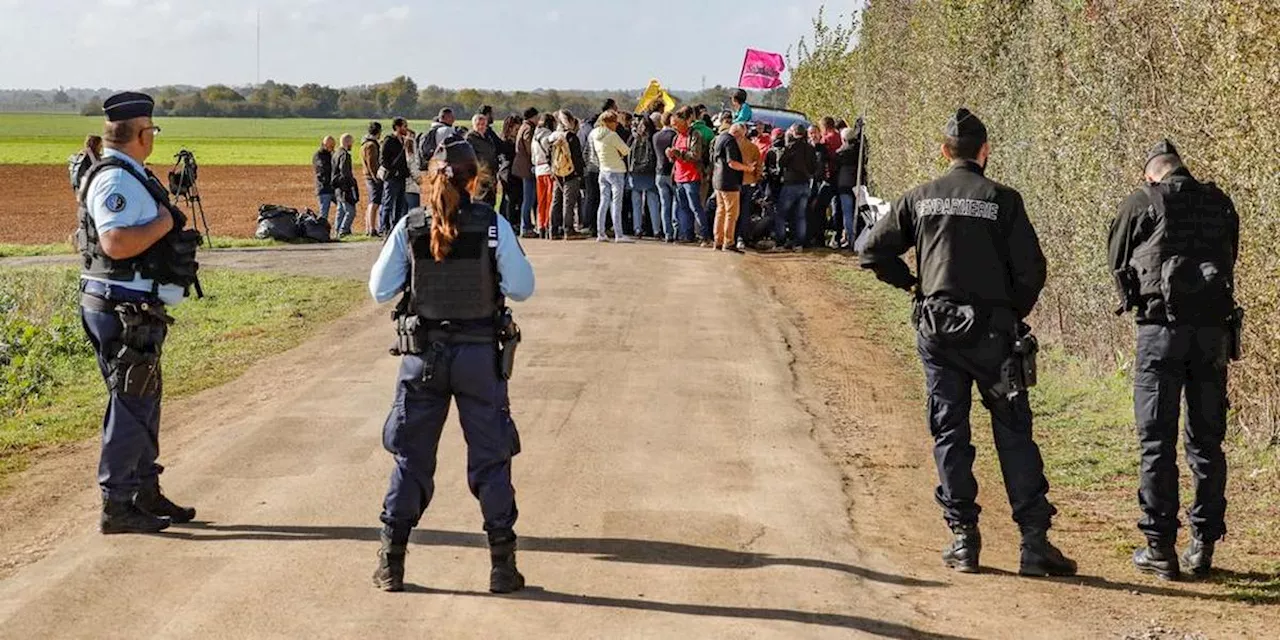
495, 44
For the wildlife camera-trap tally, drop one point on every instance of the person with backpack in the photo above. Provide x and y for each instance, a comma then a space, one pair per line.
1173, 249
644, 179
543, 176
441, 128
394, 173
686, 154
370, 161
78, 164
591, 178
662, 140
568, 166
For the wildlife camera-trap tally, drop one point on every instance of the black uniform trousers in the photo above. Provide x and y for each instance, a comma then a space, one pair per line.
950, 373
1173, 360
413, 429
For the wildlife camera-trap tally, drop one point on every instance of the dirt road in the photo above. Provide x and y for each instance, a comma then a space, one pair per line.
687, 472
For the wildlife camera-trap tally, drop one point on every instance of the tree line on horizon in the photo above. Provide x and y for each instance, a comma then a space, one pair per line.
399, 97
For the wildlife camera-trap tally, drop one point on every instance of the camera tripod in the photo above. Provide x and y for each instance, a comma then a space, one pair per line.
183, 186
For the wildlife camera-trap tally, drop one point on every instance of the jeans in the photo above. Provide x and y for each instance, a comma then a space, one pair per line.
745, 204
1173, 361
791, 209
611, 193
326, 201
412, 200
393, 205
644, 192
846, 203
566, 200
950, 373
667, 202
528, 202
689, 209
346, 216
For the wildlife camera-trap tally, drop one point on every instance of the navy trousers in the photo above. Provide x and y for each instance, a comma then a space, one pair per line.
131, 425
1171, 361
950, 373
413, 428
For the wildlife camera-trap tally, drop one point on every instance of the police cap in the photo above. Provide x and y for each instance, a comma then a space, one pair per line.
964, 124
1163, 148
127, 106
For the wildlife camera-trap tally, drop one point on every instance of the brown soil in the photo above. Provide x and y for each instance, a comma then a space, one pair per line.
39, 206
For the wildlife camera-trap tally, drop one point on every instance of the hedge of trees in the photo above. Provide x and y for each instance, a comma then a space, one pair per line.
1073, 93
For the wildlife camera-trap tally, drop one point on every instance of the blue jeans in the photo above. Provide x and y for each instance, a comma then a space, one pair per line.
845, 205
528, 203
346, 216
326, 201
689, 208
412, 200
792, 202
667, 202
644, 191
612, 186
393, 205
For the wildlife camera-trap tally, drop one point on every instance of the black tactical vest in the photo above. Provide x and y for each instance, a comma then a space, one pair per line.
169, 261
464, 287
1186, 266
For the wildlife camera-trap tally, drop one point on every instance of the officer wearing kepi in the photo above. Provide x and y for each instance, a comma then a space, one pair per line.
980, 274
138, 261
455, 261
1172, 250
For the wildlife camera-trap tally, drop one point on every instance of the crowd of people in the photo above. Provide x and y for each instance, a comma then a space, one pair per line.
724, 181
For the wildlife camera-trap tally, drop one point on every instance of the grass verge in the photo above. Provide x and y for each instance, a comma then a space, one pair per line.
50, 389
1084, 426
218, 242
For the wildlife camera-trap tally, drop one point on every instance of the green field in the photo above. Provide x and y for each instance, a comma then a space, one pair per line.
27, 138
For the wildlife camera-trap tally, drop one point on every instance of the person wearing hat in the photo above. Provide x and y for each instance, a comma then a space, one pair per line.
1172, 250
138, 261
455, 261
979, 272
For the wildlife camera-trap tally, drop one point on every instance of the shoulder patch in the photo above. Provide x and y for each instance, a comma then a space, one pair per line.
115, 203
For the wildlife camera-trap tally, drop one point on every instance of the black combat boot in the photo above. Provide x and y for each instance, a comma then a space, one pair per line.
1198, 558
390, 573
1157, 558
962, 554
151, 500
504, 578
1040, 558
125, 517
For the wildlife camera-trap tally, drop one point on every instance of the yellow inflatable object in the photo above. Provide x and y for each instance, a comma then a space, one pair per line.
653, 92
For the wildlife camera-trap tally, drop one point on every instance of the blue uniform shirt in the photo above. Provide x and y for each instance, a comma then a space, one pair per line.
391, 272
117, 200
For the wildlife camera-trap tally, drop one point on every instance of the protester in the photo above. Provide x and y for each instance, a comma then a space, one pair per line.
545, 182
370, 160
512, 185
751, 177
662, 140
568, 166
481, 139
82, 161
611, 152
644, 179
726, 179
797, 165
490, 135
850, 172
686, 154
441, 129
322, 164
590, 179
344, 187
412, 186
741, 110
523, 169
816, 206
395, 171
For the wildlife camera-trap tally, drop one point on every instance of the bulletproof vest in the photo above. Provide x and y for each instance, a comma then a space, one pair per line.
464, 286
1185, 268
169, 261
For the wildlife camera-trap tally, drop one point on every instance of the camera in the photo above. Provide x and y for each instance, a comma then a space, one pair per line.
182, 179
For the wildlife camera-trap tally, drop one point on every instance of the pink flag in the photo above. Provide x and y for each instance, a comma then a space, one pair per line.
761, 70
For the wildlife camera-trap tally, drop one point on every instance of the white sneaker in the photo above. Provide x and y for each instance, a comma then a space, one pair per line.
624, 240
601, 239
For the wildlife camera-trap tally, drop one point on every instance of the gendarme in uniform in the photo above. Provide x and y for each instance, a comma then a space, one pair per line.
1172, 251
123, 306
980, 274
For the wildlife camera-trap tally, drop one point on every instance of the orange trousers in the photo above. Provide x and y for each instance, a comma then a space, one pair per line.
546, 186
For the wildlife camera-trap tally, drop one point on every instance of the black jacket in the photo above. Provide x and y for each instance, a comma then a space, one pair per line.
662, 141
974, 243
848, 157
798, 162
322, 162
579, 158
506, 157
344, 179
392, 158
643, 160
486, 153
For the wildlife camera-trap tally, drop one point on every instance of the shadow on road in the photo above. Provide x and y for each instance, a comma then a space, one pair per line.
1098, 582
859, 623
605, 549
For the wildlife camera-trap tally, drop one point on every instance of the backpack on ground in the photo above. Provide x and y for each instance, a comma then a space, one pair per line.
562, 159
313, 227
277, 223
77, 166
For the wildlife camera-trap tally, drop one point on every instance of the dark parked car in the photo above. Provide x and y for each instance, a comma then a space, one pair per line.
778, 118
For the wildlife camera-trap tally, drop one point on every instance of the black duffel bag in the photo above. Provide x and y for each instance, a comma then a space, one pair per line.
277, 223
313, 227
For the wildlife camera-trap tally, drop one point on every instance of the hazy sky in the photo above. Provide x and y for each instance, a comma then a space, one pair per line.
506, 44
